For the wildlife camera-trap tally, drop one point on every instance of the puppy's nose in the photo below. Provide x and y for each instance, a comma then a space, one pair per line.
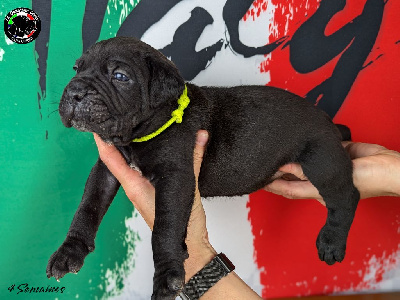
76, 94
78, 89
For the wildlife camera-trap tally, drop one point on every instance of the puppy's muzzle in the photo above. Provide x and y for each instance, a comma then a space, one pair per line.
76, 101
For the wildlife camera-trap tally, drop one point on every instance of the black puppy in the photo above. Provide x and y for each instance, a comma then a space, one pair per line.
125, 90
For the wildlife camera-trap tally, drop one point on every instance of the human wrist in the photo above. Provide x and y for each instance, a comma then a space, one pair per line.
217, 280
378, 175
199, 256
396, 178
390, 165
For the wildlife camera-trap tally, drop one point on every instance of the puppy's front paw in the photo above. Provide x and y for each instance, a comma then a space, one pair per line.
168, 283
67, 259
331, 245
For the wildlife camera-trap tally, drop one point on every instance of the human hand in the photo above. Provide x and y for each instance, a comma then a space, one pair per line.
142, 194
376, 172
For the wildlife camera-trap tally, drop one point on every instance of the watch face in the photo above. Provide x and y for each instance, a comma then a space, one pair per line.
22, 25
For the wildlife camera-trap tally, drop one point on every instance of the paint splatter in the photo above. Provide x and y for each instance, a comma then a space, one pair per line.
377, 267
115, 279
288, 17
116, 13
8, 41
256, 9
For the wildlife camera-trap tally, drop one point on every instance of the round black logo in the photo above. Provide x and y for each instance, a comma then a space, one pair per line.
22, 25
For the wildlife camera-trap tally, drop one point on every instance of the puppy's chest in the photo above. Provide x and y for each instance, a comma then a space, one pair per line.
137, 163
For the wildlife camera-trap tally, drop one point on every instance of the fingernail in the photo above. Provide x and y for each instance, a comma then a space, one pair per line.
202, 138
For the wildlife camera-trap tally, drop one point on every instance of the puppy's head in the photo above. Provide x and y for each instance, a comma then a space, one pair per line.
119, 83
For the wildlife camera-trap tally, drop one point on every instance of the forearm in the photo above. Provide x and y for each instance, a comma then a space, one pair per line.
396, 180
377, 175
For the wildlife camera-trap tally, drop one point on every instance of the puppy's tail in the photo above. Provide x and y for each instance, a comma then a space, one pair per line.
344, 131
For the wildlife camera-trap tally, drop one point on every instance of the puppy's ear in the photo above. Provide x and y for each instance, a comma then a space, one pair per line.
165, 82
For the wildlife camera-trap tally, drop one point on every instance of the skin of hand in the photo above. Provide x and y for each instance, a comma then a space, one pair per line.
376, 172
142, 195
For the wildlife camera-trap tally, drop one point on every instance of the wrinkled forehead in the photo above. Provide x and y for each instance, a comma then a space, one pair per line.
128, 52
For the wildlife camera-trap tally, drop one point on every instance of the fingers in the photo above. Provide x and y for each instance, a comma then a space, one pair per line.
201, 142
118, 166
137, 188
293, 184
357, 150
197, 236
294, 189
294, 169
114, 161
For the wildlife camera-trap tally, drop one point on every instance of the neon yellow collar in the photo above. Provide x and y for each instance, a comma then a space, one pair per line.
177, 115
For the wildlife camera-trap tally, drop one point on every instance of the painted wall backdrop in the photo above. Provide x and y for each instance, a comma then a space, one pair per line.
343, 56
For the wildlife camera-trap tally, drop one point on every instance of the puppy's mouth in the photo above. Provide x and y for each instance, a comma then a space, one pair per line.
97, 119
83, 115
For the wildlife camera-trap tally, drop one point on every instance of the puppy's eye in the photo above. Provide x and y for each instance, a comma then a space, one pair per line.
76, 68
120, 77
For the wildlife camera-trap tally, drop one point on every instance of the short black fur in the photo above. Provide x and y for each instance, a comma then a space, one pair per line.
253, 131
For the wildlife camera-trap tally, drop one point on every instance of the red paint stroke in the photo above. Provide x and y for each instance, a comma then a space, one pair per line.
285, 230
256, 9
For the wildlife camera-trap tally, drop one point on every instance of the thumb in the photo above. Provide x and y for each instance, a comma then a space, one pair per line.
295, 169
201, 142
357, 150
114, 161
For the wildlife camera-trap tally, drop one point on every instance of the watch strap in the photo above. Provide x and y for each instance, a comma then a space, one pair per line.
202, 281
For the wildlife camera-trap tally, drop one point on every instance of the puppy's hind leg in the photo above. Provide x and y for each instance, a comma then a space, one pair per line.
329, 168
